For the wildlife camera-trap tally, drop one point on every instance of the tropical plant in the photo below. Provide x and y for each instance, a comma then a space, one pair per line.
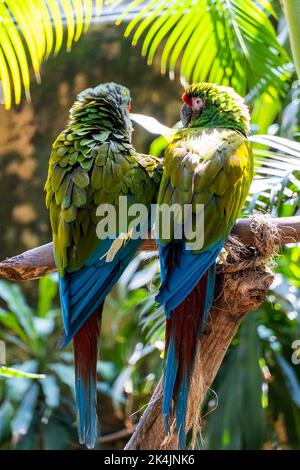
218, 41
34, 412
255, 400
40, 413
222, 41
32, 30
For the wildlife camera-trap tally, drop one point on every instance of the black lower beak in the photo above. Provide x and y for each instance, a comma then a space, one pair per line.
186, 114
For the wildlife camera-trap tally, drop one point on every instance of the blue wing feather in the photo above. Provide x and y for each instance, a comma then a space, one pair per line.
178, 282
83, 291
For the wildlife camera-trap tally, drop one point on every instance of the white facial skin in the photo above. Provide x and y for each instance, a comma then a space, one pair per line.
197, 103
191, 109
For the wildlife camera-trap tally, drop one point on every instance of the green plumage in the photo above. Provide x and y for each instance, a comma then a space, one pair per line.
210, 162
93, 162
208, 165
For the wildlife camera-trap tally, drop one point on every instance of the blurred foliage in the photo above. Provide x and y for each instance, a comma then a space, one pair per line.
254, 402
35, 413
40, 414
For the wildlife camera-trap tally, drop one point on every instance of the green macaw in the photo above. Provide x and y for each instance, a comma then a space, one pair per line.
92, 164
208, 165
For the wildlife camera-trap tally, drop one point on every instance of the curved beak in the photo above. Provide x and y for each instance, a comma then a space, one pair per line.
186, 114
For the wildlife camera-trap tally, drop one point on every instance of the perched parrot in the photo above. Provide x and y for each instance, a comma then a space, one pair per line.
92, 163
209, 162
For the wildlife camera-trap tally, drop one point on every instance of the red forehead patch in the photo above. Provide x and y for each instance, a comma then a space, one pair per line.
186, 99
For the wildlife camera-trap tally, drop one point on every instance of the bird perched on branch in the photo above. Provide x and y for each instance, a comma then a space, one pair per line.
93, 163
208, 162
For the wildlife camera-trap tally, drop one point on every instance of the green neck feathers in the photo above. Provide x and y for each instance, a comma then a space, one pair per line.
223, 107
102, 107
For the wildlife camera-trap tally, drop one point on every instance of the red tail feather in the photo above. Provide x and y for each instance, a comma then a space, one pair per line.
186, 321
85, 356
183, 330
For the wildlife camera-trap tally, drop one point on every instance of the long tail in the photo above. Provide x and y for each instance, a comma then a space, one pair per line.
183, 330
85, 356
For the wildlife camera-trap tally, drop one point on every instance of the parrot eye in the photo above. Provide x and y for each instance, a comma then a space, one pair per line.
128, 107
197, 103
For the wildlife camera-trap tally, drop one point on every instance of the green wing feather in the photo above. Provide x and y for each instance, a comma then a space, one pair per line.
208, 166
92, 162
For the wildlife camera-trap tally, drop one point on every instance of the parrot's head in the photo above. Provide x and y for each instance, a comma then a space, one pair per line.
120, 96
115, 97
210, 105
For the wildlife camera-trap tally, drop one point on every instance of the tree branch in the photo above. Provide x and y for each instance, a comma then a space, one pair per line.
242, 293
236, 294
39, 261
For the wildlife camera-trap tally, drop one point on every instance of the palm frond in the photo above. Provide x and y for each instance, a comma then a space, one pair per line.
30, 31
276, 184
221, 41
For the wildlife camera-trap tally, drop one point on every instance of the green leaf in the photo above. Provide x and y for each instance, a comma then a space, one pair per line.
47, 292
10, 372
9, 320
31, 31
238, 390
25, 412
56, 436
13, 296
214, 41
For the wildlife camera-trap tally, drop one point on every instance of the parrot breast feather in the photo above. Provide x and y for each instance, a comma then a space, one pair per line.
212, 167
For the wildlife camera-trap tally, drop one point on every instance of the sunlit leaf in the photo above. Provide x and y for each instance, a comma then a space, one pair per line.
10, 372
30, 31
215, 41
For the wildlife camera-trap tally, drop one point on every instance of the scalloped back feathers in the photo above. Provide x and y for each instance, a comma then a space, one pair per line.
93, 162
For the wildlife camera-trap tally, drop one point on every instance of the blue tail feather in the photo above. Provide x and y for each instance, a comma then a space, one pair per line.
169, 381
187, 293
181, 410
85, 357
